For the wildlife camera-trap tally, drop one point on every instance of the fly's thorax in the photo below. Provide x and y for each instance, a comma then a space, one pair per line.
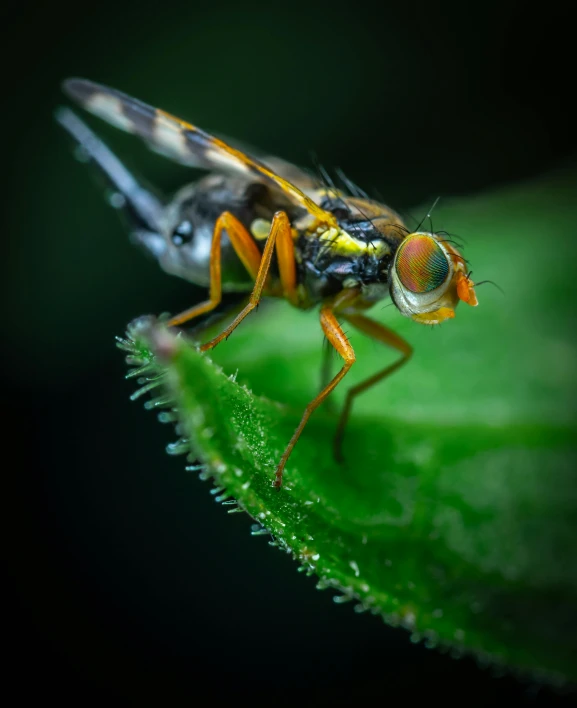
345, 207
364, 227
356, 253
428, 278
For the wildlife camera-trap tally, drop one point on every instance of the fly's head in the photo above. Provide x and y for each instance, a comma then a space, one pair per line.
428, 278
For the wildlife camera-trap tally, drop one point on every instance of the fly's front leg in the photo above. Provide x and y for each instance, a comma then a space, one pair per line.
382, 334
281, 236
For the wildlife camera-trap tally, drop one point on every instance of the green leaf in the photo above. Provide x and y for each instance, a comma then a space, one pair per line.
455, 513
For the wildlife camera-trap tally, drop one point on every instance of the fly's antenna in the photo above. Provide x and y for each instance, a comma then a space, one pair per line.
428, 215
483, 282
143, 208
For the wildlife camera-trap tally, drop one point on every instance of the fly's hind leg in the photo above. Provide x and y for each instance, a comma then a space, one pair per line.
325, 374
339, 341
216, 320
382, 334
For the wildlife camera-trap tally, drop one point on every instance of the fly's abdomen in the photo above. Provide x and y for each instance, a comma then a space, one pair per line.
189, 229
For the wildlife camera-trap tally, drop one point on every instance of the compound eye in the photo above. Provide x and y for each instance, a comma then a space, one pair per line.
421, 264
182, 233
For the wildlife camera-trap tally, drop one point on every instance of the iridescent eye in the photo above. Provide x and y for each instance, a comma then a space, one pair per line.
421, 264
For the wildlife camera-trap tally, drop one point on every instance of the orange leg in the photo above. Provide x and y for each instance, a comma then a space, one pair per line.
383, 334
213, 321
280, 233
245, 248
285, 251
325, 377
338, 339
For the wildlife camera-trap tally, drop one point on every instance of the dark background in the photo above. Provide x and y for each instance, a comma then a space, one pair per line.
130, 581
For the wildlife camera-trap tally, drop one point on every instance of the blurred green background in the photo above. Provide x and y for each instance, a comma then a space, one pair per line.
124, 567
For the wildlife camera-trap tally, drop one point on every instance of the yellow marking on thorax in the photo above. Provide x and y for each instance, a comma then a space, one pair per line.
342, 243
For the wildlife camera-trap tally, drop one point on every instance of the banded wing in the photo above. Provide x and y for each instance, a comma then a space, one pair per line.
182, 141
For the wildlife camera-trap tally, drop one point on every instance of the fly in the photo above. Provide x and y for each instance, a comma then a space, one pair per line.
266, 228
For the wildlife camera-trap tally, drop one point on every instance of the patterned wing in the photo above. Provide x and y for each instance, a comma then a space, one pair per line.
182, 141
